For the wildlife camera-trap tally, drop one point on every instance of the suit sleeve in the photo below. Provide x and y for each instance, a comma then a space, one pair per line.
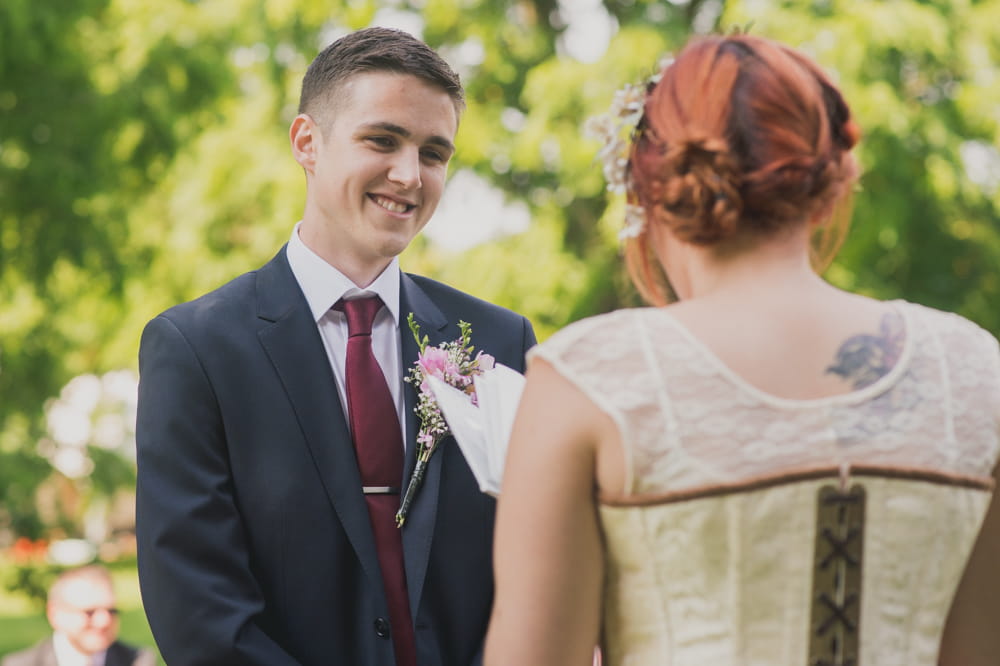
197, 587
529, 340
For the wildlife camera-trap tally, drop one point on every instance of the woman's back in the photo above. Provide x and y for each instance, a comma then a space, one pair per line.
714, 538
798, 341
786, 473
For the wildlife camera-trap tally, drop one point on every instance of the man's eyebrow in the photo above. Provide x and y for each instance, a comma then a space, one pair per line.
405, 133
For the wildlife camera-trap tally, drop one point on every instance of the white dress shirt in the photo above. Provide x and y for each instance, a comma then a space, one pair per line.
323, 285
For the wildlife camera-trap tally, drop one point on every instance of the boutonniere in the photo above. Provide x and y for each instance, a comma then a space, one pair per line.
455, 363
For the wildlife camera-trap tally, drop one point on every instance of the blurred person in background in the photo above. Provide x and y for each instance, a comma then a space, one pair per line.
83, 614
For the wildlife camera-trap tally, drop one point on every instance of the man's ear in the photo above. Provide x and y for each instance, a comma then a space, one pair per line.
52, 614
305, 137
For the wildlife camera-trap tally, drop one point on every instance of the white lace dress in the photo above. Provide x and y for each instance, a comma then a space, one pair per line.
759, 530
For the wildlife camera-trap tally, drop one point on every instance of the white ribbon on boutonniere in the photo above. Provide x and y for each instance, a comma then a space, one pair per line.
455, 363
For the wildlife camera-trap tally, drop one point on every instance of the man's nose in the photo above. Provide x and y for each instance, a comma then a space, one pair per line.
101, 617
405, 168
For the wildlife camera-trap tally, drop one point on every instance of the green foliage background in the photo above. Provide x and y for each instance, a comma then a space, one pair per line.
144, 160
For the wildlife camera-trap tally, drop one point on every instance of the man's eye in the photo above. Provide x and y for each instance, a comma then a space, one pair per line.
382, 141
434, 156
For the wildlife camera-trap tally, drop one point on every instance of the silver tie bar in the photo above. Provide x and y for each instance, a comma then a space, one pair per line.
379, 490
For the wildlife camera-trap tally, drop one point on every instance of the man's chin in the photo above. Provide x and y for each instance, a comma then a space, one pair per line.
393, 244
96, 645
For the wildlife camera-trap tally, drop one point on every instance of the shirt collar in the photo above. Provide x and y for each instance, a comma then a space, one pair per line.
323, 285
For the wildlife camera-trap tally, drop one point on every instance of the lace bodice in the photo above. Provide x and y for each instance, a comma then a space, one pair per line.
713, 547
687, 421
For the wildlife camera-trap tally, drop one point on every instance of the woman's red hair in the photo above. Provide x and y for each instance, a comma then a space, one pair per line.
742, 137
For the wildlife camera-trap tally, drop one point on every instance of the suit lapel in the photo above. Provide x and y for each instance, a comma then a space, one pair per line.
419, 528
291, 340
119, 654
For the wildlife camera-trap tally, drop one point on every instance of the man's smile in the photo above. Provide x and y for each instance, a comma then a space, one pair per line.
391, 205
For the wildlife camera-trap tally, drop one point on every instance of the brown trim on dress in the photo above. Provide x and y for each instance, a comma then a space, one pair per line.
807, 474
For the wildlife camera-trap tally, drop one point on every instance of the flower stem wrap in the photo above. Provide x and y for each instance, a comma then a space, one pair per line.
412, 487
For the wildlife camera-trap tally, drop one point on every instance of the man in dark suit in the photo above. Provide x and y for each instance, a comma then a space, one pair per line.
81, 610
256, 541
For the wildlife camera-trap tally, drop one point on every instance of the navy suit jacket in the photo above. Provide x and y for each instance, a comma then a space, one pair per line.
253, 534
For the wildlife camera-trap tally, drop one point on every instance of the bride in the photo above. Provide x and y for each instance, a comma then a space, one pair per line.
769, 470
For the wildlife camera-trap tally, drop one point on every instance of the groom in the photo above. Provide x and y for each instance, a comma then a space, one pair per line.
263, 533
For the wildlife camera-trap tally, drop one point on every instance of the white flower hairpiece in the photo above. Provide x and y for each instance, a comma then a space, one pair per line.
616, 130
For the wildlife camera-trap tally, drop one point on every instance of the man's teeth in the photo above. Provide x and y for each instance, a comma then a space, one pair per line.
391, 205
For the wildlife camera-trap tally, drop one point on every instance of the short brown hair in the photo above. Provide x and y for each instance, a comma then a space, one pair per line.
373, 50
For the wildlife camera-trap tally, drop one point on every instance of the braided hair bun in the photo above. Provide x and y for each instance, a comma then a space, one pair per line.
741, 136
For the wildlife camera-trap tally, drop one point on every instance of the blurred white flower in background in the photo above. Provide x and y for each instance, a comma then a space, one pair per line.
91, 410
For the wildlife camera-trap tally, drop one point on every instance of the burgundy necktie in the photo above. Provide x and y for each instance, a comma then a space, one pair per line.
378, 444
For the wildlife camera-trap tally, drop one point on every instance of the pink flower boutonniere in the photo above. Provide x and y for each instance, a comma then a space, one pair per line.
454, 363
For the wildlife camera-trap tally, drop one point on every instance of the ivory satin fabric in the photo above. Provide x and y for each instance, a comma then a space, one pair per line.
705, 565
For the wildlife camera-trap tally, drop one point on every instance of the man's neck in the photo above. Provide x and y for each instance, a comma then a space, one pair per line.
68, 654
359, 270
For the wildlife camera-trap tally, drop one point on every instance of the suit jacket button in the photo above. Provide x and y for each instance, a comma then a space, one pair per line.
382, 627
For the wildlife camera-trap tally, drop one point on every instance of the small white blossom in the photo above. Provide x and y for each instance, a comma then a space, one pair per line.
635, 222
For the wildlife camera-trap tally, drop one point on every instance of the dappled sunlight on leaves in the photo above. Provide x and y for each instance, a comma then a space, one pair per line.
144, 160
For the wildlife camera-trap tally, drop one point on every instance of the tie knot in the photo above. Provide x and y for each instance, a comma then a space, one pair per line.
360, 314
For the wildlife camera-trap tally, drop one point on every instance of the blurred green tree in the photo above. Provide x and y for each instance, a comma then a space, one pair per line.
143, 159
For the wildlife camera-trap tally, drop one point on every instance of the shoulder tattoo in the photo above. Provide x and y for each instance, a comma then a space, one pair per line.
864, 358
